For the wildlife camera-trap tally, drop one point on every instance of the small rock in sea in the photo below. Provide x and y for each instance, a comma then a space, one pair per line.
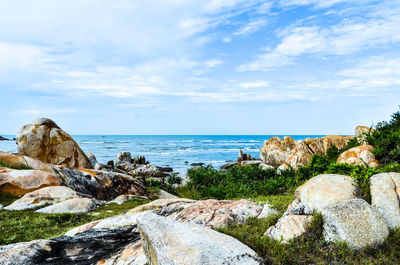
197, 164
110, 163
186, 162
3, 138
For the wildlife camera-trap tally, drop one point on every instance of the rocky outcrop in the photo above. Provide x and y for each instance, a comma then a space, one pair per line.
3, 138
385, 194
44, 140
277, 151
19, 182
42, 197
77, 205
169, 242
360, 155
355, 222
103, 185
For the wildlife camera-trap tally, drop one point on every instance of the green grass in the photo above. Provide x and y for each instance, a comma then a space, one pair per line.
18, 226
311, 247
20, 167
278, 202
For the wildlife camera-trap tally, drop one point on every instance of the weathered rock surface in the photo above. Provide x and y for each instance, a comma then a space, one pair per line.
77, 205
133, 254
103, 185
44, 140
123, 199
169, 242
355, 222
265, 166
3, 138
360, 155
85, 248
162, 194
288, 227
19, 182
385, 194
92, 158
44, 196
277, 151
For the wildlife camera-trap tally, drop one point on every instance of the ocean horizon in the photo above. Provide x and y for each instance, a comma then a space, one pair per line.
176, 151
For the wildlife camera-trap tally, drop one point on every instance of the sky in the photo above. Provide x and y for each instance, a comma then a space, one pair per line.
199, 66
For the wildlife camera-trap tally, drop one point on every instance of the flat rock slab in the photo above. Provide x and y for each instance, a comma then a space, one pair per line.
360, 155
355, 222
76, 205
385, 194
170, 242
44, 196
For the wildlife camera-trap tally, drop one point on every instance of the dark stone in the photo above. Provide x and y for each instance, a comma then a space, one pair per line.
197, 164
226, 166
3, 138
88, 247
165, 169
110, 163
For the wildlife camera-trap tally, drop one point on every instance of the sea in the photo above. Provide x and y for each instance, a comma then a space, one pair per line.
176, 151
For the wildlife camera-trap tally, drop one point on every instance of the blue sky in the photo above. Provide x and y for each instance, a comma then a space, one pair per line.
199, 67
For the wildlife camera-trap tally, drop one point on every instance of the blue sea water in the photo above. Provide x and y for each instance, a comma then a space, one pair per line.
176, 151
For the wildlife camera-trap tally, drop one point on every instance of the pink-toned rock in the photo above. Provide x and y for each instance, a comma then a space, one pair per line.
360, 155
44, 140
20, 182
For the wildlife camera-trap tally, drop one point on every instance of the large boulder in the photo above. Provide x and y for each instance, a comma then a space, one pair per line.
44, 140
313, 196
360, 155
321, 191
355, 222
277, 151
19, 182
385, 194
42, 197
170, 242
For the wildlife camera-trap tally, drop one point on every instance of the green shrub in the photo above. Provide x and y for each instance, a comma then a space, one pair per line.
386, 140
333, 152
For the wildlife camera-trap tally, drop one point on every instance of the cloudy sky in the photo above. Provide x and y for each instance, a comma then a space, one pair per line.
199, 66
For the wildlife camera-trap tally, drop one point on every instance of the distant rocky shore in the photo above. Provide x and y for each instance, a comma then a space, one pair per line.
52, 174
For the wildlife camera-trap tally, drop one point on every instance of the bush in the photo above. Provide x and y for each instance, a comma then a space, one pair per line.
386, 140
333, 152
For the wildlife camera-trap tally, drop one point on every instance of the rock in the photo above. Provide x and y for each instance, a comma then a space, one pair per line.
92, 159
121, 199
321, 191
169, 242
251, 162
110, 163
362, 132
1, 206
3, 138
132, 254
162, 194
354, 222
197, 164
165, 169
42, 197
226, 166
123, 157
277, 151
44, 140
264, 166
77, 205
385, 194
288, 227
282, 167
87, 247
240, 157
101, 184
19, 182
360, 155
211, 213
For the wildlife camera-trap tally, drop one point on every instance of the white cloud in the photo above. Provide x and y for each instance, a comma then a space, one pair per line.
227, 39
212, 63
251, 27
348, 37
317, 3
22, 56
254, 84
